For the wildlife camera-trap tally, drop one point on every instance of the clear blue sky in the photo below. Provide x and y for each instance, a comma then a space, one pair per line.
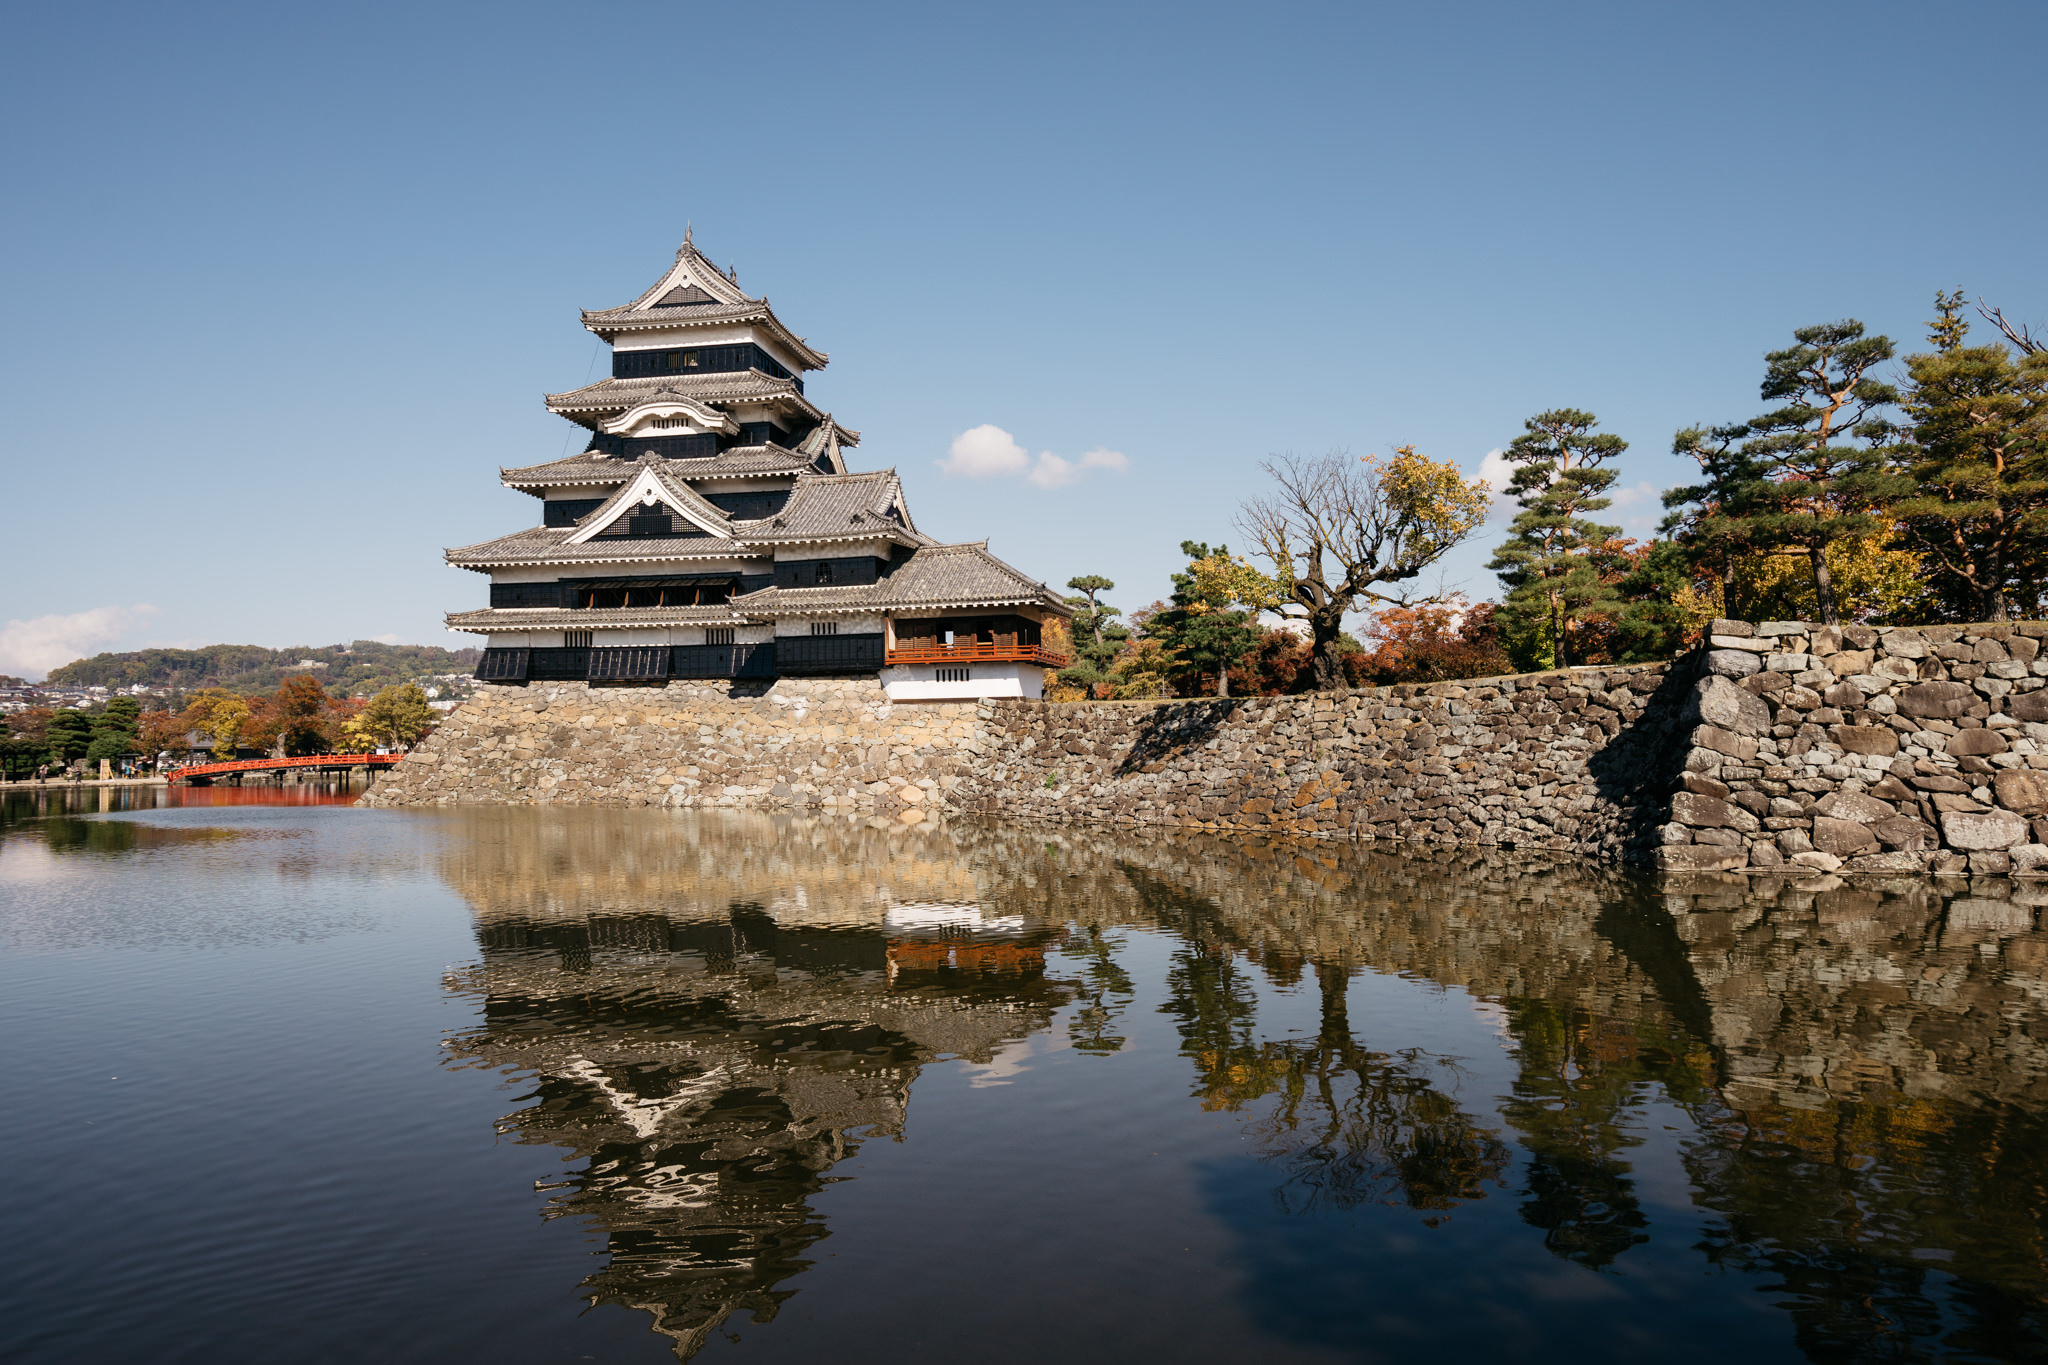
284, 284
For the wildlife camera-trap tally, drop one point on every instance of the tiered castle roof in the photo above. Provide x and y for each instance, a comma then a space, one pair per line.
662, 508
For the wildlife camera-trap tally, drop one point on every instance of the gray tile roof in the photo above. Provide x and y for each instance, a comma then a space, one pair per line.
841, 507
557, 618
720, 387
543, 545
707, 298
822, 445
935, 577
741, 462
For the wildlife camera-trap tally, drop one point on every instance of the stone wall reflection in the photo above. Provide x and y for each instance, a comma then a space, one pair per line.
718, 1010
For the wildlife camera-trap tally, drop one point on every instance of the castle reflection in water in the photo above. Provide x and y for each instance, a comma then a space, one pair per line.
717, 1011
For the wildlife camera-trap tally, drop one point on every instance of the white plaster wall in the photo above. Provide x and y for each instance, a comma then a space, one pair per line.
919, 682
770, 484
685, 338
877, 548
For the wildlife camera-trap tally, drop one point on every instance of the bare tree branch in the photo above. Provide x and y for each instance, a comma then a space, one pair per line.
2017, 335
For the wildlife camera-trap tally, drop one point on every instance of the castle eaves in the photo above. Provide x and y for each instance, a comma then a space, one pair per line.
934, 578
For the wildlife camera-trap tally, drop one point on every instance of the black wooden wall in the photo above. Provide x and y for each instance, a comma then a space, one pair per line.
744, 355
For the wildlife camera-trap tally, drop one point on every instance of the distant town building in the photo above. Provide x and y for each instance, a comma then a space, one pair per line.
711, 528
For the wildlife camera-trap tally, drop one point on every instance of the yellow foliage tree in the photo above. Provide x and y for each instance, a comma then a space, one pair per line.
1341, 533
1873, 581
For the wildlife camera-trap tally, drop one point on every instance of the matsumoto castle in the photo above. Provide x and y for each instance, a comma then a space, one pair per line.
711, 529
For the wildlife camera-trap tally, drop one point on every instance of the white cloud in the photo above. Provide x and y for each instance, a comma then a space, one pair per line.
1495, 469
30, 649
985, 451
1641, 491
394, 638
1053, 472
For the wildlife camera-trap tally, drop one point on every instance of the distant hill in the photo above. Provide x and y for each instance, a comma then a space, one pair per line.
344, 670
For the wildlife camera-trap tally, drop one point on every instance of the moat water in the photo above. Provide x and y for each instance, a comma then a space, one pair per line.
296, 1080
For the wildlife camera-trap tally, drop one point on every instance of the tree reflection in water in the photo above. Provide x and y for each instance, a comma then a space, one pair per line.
717, 1012
1347, 1126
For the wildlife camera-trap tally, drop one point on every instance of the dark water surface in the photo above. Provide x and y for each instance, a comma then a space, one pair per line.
293, 1081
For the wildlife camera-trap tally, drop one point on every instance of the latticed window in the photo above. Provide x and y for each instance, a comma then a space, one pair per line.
576, 639
824, 627
718, 635
952, 674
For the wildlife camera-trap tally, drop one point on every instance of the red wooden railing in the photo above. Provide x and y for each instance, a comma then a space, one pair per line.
249, 765
978, 651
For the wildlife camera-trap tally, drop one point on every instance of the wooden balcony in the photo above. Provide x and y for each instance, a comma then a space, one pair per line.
978, 652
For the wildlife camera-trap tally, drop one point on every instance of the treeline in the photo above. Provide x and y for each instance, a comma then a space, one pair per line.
357, 669
1871, 489
298, 718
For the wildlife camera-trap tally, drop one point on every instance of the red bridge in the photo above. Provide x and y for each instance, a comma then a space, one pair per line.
207, 772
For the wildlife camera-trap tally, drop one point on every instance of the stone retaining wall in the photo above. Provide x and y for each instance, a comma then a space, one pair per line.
1776, 747
1866, 750
1580, 761
827, 742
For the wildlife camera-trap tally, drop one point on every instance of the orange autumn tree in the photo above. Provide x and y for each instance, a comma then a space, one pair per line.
1433, 642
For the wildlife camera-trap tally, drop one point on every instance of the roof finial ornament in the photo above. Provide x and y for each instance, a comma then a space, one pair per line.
732, 272
687, 245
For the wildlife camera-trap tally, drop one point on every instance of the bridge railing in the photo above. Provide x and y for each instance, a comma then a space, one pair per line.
246, 765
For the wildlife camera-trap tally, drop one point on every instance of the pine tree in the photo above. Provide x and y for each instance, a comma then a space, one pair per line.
1816, 489
1978, 458
1203, 627
1708, 521
1546, 563
1098, 637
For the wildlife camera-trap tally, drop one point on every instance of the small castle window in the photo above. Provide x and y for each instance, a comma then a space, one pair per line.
952, 674
576, 639
718, 635
824, 627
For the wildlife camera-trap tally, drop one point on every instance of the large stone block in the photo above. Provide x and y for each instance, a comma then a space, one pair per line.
1976, 743
1724, 742
2029, 860
2024, 790
1867, 739
1700, 858
1700, 812
1854, 806
1900, 832
1904, 644
1843, 838
1887, 862
1998, 829
2028, 706
1937, 700
1718, 702
1732, 663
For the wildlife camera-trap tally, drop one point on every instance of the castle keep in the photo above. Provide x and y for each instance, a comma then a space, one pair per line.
710, 529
